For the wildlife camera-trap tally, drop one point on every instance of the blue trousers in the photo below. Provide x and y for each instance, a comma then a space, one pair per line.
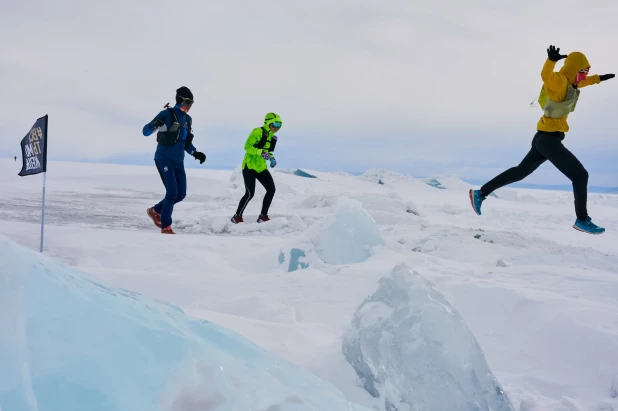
175, 181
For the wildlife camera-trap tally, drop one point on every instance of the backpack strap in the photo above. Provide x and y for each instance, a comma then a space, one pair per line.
189, 138
262, 143
273, 143
172, 114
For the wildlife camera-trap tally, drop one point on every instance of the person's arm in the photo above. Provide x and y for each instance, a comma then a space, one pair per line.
160, 120
252, 140
588, 81
190, 148
596, 79
551, 79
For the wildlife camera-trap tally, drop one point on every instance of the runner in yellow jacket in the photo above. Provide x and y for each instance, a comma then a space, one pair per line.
558, 98
259, 149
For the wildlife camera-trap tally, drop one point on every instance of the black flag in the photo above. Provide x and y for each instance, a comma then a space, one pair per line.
34, 149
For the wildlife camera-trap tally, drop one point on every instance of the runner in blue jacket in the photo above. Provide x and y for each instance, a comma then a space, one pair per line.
174, 137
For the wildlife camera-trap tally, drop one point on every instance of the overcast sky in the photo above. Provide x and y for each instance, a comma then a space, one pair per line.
418, 87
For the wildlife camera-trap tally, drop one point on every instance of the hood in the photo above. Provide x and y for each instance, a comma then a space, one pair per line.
271, 118
572, 64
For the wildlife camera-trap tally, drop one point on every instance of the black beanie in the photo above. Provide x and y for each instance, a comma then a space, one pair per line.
183, 92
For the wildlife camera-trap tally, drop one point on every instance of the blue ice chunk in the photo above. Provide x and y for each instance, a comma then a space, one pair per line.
411, 348
295, 255
435, 183
68, 341
348, 234
302, 173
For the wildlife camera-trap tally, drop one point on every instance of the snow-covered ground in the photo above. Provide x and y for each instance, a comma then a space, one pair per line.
538, 296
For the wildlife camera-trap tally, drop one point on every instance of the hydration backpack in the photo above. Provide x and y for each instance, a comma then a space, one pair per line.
171, 136
262, 143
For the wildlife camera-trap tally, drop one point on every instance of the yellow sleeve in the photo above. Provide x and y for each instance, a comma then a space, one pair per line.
590, 80
551, 79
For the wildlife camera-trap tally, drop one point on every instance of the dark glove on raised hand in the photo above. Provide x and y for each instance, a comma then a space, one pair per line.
199, 156
156, 123
553, 53
604, 77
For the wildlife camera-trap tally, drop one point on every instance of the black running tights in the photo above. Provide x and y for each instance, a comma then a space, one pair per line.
548, 146
250, 176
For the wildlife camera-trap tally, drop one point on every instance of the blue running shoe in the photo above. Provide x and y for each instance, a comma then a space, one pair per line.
587, 226
476, 199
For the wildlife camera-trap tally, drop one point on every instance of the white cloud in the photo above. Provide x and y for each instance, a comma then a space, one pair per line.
389, 81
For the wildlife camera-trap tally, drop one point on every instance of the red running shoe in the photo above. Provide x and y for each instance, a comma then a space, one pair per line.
156, 217
167, 230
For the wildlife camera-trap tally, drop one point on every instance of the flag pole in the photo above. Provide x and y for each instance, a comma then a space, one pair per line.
34, 159
44, 180
43, 210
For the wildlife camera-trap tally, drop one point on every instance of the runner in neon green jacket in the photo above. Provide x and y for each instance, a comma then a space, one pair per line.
254, 159
259, 149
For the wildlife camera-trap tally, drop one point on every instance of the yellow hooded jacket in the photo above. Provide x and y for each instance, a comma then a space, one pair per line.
555, 87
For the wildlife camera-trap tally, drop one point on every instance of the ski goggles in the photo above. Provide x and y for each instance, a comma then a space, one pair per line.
276, 124
186, 101
585, 70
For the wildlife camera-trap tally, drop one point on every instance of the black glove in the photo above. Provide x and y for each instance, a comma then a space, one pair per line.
604, 77
156, 123
199, 156
553, 54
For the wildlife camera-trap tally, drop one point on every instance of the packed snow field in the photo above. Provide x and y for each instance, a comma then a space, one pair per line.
389, 290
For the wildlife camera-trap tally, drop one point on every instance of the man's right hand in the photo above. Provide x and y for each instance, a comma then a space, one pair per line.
553, 54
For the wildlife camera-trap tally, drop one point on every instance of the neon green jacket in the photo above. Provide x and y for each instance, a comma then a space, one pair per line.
253, 157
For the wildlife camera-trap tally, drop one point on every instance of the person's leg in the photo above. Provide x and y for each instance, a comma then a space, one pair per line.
266, 179
166, 206
157, 208
249, 176
552, 148
181, 179
531, 162
155, 212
